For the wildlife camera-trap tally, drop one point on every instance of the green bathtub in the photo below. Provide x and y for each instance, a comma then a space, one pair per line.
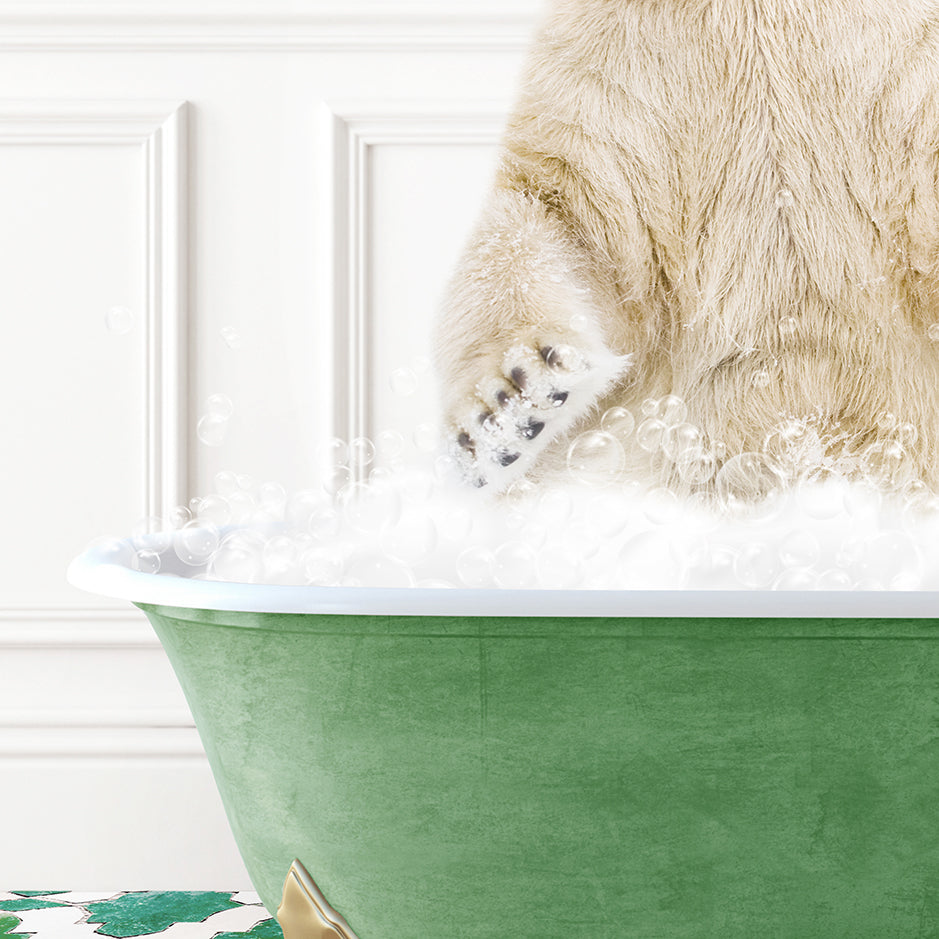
443, 772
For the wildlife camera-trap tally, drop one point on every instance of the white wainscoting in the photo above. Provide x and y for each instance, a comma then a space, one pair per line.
303, 173
280, 25
376, 327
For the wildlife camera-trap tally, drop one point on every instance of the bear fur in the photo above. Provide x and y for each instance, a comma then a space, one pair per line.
731, 201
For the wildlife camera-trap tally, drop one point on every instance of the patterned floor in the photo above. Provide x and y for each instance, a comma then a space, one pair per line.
64, 914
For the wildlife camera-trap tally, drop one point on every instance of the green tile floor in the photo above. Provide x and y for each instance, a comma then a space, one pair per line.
63, 914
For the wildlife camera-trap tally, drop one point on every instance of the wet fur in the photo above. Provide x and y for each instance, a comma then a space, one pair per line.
643, 185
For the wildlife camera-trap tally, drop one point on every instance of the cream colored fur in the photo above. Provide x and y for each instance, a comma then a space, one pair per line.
741, 195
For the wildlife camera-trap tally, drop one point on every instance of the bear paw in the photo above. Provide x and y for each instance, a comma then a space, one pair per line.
541, 388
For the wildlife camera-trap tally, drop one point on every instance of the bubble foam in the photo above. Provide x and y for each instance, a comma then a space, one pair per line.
412, 528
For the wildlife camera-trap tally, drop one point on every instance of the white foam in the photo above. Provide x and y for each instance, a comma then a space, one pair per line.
411, 528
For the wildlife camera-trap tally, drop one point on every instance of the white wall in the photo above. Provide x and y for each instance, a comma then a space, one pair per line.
303, 173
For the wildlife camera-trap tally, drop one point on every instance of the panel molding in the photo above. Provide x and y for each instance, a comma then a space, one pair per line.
62, 731
65, 741
348, 133
159, 130
73, 627
253, 25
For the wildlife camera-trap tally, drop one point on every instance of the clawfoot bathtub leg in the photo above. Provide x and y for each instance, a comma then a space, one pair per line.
304, 912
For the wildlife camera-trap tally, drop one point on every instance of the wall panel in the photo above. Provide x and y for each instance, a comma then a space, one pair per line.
310, 196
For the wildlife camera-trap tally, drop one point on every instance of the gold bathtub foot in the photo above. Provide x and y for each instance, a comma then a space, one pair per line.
304, 913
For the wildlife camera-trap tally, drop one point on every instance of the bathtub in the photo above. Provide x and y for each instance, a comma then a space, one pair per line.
543, 764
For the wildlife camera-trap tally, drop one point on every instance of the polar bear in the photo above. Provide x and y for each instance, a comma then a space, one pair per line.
731, 201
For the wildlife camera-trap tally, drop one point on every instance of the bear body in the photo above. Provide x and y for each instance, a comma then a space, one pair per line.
731, 201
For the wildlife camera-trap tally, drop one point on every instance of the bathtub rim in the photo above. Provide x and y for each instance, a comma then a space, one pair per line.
93, 573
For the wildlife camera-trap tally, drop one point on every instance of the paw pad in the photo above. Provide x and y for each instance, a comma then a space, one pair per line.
514, 411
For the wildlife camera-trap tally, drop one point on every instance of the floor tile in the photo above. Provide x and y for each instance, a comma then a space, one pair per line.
63, 914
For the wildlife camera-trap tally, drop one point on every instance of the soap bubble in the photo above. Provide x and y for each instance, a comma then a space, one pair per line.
404, 382
337, 480
273, 495
279, 556
332, 453
891, 558
906, 435
389, 444
695, 468
220, 406
232, 338
361, 451
178, 516
380, 475
894, 456
619, 422
799, 548
371, 508
785, 439
672, 410
788, 326
582, 540
863, 501
710, 566
147, 562
375, 570
595, 458
524, 490
325, 523
152, 534
212, 430
115, 551
749, 482
321, 567
920, 504
683, 439
784, 199
226, 482
833, 579
661, 506
650, 434
301, 507
214, 510
119, 320
535, 532
242, 506
238, 558
474, 567
579, 323
887, 462
514, 565
756, 565
196, 542
649, 407
933, 332
795, 578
